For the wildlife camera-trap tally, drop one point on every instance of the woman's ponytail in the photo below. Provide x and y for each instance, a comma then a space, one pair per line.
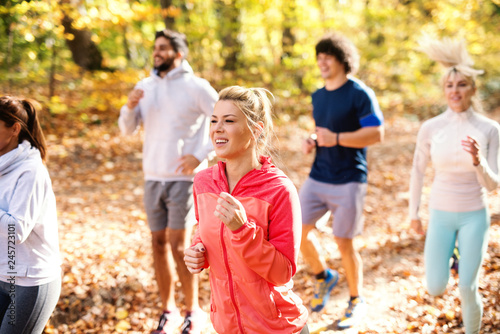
16, 110
34, 130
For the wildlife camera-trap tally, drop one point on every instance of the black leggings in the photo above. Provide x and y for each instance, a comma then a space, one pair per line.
31, 308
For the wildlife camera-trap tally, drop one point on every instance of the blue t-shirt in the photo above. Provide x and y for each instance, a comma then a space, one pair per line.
345, 109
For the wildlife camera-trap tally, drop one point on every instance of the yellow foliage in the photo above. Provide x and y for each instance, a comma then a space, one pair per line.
121, 313
122, 326
69, 36
450, 315
171, 11
49, 330
433, 311
29, 37
93, 12
82, 22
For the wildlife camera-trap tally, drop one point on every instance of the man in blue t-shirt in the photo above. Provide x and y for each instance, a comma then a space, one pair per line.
348, 119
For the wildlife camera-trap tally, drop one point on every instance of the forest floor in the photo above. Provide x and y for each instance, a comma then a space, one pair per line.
108, 284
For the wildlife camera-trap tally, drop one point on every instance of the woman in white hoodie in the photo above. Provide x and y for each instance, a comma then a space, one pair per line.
30, 265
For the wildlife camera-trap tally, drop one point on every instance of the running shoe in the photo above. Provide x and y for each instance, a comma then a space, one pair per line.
322, 290
194, 322
169, 322
354, 313
455, 258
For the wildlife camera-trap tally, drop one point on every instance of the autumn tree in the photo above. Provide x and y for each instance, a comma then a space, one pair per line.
249, 42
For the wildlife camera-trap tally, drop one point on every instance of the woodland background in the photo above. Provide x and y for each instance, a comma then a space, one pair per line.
80, 59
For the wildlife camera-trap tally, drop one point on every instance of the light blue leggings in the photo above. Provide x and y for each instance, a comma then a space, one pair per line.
471, 229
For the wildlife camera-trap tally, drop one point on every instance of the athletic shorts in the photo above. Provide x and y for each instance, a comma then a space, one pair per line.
344, 201
169, 204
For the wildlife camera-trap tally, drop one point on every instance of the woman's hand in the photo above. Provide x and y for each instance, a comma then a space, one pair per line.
471, 146
416, 226
230, 211
194, 258
309, 144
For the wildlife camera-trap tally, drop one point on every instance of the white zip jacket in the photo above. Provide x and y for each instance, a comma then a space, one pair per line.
175, 111
458, 185
29, 240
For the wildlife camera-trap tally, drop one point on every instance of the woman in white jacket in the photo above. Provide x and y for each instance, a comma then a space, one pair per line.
463, 146
30, 265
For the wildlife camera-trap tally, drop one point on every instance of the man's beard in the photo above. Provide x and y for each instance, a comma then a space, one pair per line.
165, 66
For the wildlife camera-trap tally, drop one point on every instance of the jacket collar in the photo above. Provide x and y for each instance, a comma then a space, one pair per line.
466, 114
219, 170
177, 72
10, 160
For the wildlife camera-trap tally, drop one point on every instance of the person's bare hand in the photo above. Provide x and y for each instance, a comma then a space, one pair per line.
187, 164
326, 138
309, 144
133, 98
230, 211
416, 226
194, 258
471, 146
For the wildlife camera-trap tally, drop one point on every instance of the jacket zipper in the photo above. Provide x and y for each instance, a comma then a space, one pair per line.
226, 262
230, 278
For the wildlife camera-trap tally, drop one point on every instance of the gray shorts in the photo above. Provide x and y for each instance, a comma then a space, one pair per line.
344, 201
169, 204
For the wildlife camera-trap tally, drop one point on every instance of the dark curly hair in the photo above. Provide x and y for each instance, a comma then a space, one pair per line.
341, 48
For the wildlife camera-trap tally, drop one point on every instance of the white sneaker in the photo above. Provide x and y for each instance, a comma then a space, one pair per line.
169, 322
194, 322
354, 314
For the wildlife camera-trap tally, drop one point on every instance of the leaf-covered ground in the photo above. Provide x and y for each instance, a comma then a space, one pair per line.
108, 284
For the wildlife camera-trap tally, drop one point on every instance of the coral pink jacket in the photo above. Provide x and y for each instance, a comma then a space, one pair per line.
251, 268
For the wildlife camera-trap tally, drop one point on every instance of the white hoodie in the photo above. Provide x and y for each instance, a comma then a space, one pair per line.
29, 239
176, 111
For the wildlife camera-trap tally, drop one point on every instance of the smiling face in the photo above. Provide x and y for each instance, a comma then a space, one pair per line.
459, 91
329, 67
230, 133
164, 55
8, 137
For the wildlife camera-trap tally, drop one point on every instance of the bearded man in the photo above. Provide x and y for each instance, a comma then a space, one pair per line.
174, 107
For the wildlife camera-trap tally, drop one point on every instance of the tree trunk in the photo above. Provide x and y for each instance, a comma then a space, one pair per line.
229, 28
84, 51
126, 46
289, 21
8, 22
288, 38
168, 18
10, 47
52, 75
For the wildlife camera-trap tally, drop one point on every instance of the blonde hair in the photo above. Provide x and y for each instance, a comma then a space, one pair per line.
453, 55
255, 104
